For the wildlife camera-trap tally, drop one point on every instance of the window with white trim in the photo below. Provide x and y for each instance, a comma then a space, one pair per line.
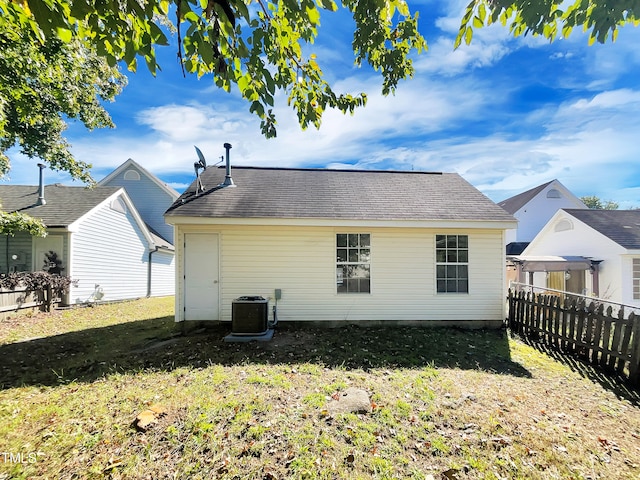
353, 262
452, 263
636, 278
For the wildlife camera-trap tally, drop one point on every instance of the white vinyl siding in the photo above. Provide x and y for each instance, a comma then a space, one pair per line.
162, 274
256, 260
149, 199
534, 215
109, 250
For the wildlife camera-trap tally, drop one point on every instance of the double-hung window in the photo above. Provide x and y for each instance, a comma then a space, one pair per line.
636, 278
353, 262
452, 263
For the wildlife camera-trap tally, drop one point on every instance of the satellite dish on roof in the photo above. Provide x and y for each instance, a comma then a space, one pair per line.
200, 164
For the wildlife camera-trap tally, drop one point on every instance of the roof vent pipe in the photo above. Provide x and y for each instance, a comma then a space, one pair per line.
41, 200
228, 181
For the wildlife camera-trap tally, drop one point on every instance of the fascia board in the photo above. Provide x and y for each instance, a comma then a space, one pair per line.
320, 222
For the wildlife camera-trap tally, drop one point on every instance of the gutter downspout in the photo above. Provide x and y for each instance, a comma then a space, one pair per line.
151, 252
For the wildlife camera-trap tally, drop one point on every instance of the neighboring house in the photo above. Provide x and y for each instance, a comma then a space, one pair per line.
340, 245
533, 209
148, 193
97, 234
592, 252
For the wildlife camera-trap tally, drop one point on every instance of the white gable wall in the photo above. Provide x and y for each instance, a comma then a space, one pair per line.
577, 238
533, 216
301, 261
150, 200
108, 249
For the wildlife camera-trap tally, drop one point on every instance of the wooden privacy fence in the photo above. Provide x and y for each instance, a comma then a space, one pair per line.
12, 300
588, 331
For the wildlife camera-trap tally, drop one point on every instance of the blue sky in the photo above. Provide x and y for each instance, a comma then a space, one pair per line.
507, 114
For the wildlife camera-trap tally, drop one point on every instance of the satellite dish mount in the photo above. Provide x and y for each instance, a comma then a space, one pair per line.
201, 164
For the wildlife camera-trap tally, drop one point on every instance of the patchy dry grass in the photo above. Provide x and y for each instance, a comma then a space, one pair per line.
447, 403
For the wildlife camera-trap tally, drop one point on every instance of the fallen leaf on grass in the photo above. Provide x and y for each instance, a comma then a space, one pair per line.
451, 474
608, 445
112, 464
147, 418
246, 450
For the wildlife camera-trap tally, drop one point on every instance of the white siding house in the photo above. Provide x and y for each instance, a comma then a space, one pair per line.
341, 246
151, 198
97, 234
535, 207
608, 238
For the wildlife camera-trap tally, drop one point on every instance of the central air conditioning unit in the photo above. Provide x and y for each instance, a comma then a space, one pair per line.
249, 316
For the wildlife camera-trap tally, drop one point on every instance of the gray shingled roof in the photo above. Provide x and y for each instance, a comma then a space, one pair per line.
64, 204
158, 239
515, 203
621, 226
337, 194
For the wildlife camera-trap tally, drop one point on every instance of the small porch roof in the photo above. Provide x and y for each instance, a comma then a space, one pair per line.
553, 263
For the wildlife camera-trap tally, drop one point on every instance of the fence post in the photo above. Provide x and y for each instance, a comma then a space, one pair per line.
571, 334
634, 361
566, 309
597, 335
547, 318
626, 347
536, 320
616, 347
526, 314
607, 349
521, 310
511, 314
558, 317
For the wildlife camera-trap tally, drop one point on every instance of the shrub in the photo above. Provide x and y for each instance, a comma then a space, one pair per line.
37, 281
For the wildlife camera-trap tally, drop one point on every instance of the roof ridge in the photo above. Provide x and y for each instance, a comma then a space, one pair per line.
319, 169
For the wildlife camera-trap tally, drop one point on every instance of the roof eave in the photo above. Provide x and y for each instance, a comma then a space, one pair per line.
342, 222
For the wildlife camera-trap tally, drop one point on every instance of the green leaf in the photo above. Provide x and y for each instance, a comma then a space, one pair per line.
205, 49
313, 15
65, 34
257, 108
468, 35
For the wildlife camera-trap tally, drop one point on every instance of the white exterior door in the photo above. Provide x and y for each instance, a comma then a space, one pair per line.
201, 274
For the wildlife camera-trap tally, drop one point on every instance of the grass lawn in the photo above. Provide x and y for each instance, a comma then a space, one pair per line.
446, 403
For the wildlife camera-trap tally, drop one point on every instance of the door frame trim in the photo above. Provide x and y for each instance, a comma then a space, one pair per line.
183, 274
